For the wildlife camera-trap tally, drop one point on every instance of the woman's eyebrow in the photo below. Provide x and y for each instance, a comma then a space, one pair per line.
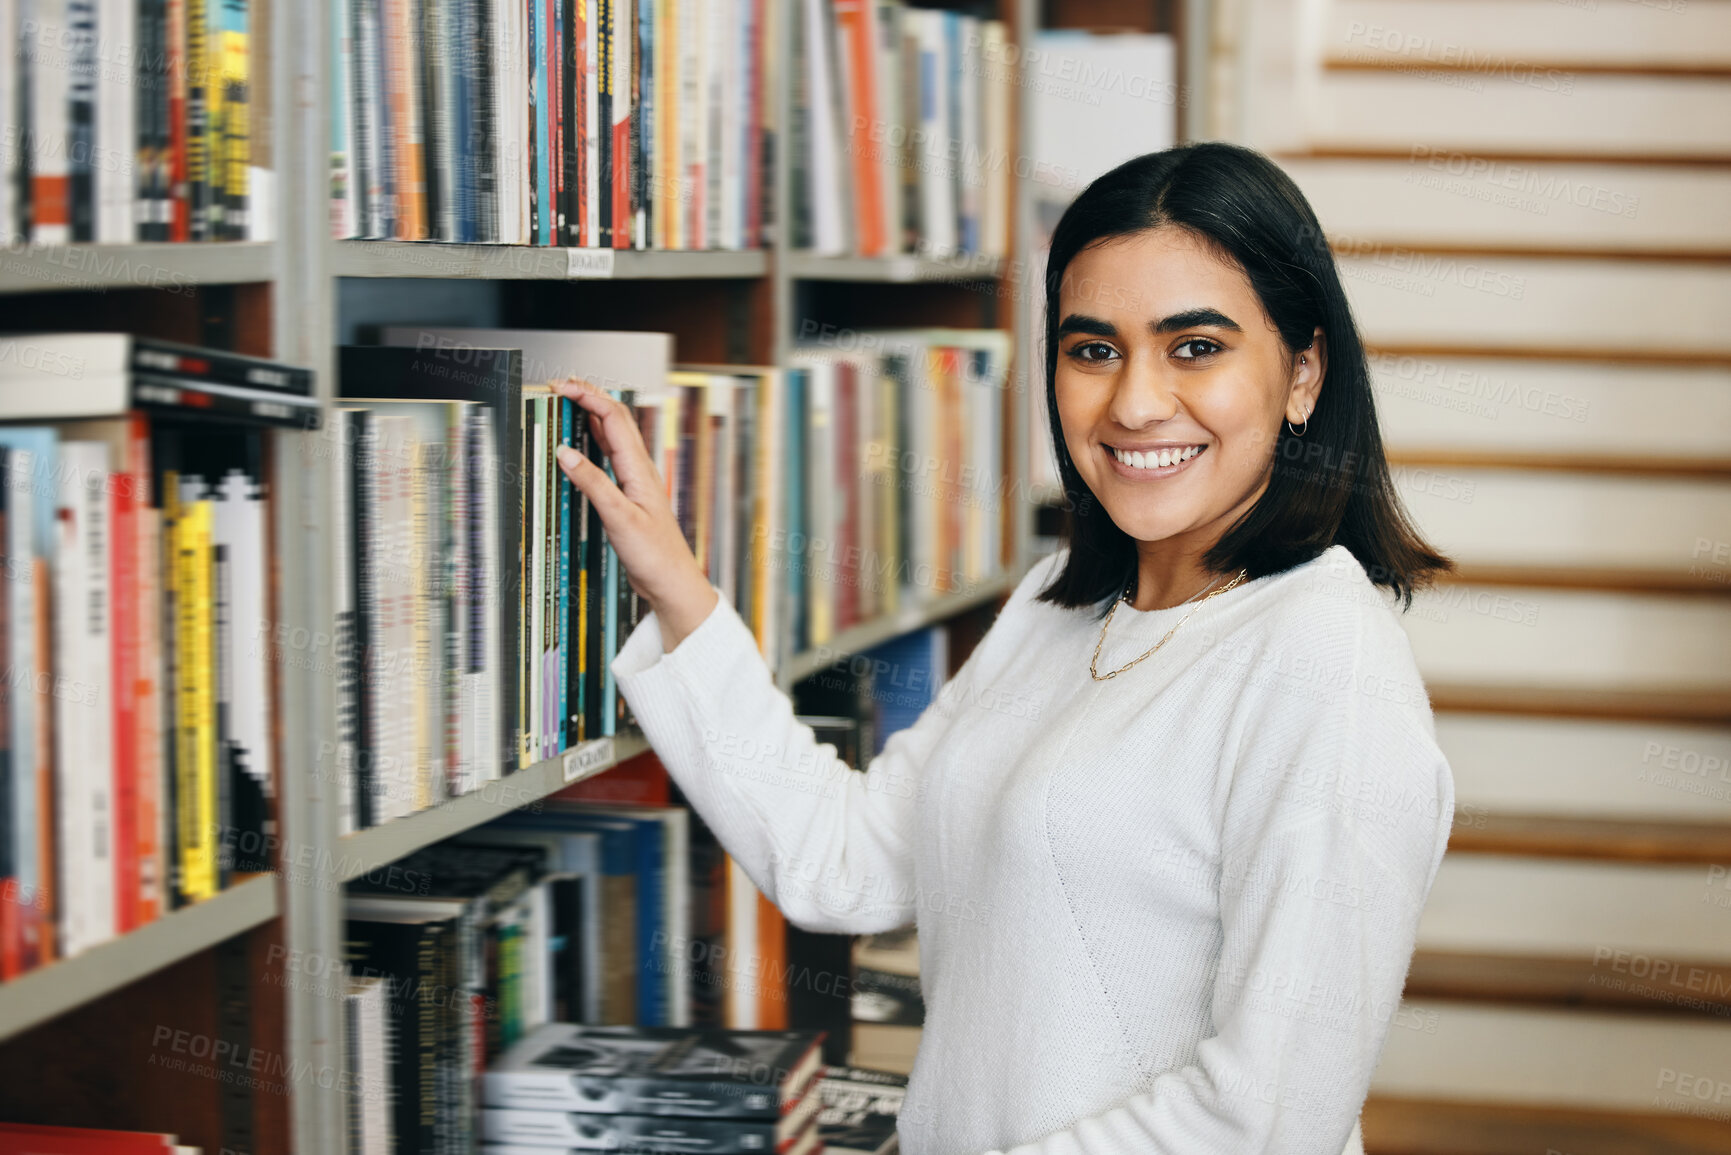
1193, 317
1093, 326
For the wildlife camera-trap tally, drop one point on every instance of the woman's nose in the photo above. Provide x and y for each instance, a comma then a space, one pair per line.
1143, 395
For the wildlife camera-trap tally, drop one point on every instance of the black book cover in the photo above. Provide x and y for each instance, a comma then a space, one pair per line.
434, 135
360, 464
627, 1070
407, 956
493, 377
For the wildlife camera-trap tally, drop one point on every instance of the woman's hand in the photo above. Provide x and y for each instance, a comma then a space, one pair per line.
637, 516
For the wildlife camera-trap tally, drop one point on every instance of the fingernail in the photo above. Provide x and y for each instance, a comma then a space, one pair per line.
568, 457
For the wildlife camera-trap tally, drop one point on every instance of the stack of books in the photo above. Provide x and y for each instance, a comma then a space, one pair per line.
623, 124
137, 768
577, 1088
859, 1112
901, 131
134, 120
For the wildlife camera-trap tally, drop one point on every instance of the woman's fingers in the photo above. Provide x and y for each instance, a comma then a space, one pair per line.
609, 501
619, 436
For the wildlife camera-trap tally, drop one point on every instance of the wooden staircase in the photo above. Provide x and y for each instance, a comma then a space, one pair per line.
1530, 202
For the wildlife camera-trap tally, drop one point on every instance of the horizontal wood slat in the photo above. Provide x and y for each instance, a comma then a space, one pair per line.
1395, 1126
1611, 979
1711, 706
1630, 840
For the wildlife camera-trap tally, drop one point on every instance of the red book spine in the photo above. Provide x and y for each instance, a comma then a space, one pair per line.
857, 28
622, 181
123, 646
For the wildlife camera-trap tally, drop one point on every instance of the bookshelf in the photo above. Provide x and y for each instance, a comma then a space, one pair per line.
78, 1035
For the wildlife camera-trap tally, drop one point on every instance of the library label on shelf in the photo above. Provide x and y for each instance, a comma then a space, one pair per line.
592, 264
589, 758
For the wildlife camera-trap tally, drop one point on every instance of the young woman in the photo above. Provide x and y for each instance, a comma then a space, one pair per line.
1167, 833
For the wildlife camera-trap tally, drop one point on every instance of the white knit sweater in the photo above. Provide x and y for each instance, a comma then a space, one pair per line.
1167, 913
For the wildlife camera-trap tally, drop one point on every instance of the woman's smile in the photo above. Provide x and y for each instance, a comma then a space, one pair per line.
1142, 462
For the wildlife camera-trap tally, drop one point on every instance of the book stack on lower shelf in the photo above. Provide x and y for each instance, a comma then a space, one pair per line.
576, 1088
628, 124
859, 1110
136, 753
134, 120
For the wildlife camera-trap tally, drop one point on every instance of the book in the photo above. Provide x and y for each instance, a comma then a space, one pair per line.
655, 1071
858, 1110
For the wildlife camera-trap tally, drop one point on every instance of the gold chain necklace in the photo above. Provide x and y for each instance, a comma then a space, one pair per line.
1122, 598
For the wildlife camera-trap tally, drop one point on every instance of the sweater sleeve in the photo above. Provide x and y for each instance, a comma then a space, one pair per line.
831, 847
1333, 827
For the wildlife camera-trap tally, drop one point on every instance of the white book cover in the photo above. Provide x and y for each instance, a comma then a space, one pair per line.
823, 167
441, 44
970, 130
487, 699
392, 614
592, 38
116, 131
730, 94
342, 144
936, 168
536, 421
611, 359
367, 103
50, 93
820, 490
337, 445
999, 168
239, 525
1078, 143
10, 134
83, 719
369, 1048
890, 126
537, 975
745, 965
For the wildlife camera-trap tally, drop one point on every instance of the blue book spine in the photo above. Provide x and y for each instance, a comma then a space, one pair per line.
967, 227
609, 618
562, 636
543, 174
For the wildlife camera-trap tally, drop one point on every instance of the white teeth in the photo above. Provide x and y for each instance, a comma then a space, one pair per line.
1158, 458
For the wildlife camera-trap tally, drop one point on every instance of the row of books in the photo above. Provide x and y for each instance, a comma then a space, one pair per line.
897, 475
624, 124
901, 130
134, 120
136, 764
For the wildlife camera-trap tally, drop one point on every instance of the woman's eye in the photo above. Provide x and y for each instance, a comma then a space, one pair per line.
1208, 347
1091, 352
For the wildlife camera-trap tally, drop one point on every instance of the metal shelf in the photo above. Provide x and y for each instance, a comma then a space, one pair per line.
899, 269
366, 850
437, 260
905, 620
169, 267
40, 995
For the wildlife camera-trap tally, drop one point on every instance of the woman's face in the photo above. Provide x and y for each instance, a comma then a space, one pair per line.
1164, 349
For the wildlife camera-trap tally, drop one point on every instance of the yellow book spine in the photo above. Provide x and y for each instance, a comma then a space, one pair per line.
196, 764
